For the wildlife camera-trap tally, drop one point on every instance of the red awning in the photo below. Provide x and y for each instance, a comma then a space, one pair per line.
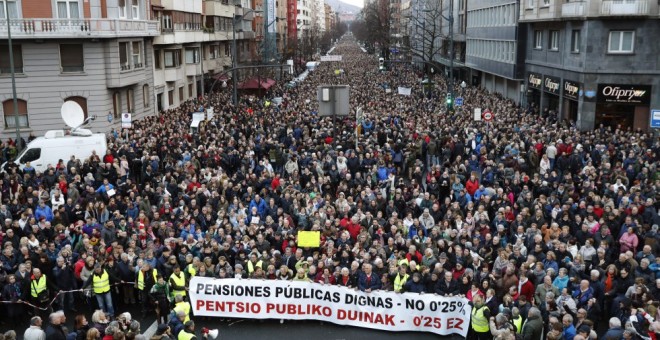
256, 83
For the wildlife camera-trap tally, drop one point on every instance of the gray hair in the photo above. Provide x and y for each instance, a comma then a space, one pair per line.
34, 320
595, 273
549, 295
615, 322
534, 312
500, 319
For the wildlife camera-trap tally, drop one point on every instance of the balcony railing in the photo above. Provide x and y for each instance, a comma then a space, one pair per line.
573, 9
72, 28
625, 7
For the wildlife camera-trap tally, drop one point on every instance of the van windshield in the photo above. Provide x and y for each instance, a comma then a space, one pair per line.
30, 155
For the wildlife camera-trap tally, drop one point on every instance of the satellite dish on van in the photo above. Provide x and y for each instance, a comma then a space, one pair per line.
72, 114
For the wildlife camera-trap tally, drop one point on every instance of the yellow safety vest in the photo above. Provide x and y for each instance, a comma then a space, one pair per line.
479, 321
518, 323
404, 261
183, 335
184, 307
191, 271
38, 286
251, 266
140, 281
101, 283
180, 281
399, 282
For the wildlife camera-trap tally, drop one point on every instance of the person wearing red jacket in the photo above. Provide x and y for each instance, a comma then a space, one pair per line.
414, 255
525, 287
472, 185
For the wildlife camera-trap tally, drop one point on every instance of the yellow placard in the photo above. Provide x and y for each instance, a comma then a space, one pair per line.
309, 239
337, 72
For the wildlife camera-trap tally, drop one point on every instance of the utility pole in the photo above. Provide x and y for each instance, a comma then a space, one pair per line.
13, 78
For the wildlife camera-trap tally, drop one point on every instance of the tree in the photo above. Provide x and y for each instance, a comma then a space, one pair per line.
425, 29
374, 26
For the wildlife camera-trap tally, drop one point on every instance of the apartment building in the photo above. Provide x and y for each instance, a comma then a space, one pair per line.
97, 53
594, 61
495, 51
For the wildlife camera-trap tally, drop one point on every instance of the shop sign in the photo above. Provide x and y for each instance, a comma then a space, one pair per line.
551, 84
624, 94
535, 80
571, 89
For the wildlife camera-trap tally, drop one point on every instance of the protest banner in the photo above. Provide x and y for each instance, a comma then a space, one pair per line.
297, 300
309, 239
406, 91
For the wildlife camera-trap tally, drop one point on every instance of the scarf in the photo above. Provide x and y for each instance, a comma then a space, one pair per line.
608, 282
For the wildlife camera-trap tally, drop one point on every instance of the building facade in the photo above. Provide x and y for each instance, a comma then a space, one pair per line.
96, 53
494, 49
593, 62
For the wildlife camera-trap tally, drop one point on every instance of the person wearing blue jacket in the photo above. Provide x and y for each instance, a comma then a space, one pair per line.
43, 211
416, 285
260, 204
368, 281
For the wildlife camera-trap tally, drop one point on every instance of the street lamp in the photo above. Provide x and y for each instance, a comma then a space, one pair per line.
450, 19
237, 18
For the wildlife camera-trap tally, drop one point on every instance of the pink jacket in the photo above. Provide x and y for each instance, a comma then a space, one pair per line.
628, 241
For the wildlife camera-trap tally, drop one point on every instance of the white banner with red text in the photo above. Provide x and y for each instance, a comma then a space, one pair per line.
295, 300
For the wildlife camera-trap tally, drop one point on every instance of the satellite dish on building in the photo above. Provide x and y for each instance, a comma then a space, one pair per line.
74, 117
72, 114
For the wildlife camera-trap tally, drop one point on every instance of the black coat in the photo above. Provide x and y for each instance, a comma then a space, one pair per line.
55, 332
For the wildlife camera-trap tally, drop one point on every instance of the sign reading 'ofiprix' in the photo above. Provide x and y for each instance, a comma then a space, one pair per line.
624, 94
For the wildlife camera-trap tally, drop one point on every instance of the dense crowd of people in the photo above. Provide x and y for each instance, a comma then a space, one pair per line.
547, 230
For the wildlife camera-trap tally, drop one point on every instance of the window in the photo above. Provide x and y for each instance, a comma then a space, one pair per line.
129, 101
166, 22
82, 101
30, 155
553, 44
530, 3
192, 56
8, 110
575, 41
124, 56
621, 42
181, 94
172, 58
145, 95
68, 9
538, 40
116, 104
11, 7
170, 97
4, 59
226, 49
214, 51
137, 54
157, 56
135, 9
71, 58
546, 3
122, 9
190, 90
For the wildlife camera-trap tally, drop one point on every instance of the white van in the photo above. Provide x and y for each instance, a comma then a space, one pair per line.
311, 66
48, 150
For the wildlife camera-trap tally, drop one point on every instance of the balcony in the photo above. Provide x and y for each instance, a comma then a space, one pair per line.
626, 7
573, 9
49, 28
220, 9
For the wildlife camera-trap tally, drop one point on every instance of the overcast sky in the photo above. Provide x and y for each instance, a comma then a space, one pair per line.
359, 3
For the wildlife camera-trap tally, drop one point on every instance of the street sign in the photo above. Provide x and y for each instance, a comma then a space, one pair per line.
459, 101
488, 116
333, 100
126, 121
477, 114
331, 58
655, 119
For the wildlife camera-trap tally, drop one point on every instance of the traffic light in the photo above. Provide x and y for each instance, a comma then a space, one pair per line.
381, 64
450, 101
